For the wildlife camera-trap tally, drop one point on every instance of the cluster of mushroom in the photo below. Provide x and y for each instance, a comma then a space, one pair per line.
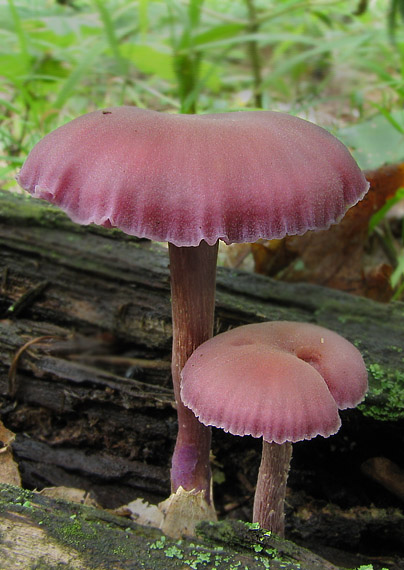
192, 181
282, 381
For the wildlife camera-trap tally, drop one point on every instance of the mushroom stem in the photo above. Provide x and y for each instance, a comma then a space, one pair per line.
271, 486
193, 278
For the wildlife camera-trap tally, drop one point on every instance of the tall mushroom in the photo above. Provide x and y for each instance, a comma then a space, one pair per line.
281, 381
192, 180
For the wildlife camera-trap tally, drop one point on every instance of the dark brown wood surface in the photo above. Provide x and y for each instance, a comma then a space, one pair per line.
96, 290
85, 334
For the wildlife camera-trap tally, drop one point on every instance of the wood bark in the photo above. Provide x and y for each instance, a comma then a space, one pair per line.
84, 286
85, 350
42, 533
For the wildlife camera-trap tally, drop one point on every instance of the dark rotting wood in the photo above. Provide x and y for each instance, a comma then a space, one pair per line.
93, 405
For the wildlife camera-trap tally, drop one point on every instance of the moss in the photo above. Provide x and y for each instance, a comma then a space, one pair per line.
368, 567
159, 544
258, 548
174, 552
105, 541
95, 535
385, 400
24, 207
40, 213
264, 546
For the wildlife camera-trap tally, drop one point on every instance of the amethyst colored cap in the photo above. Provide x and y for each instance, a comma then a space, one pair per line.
282, 381
186, 178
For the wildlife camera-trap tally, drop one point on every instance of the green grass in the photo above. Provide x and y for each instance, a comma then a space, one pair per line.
64, 59
323, 59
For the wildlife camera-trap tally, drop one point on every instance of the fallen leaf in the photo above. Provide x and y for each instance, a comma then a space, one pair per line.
70, 494
144, 513
337, 257
9, 472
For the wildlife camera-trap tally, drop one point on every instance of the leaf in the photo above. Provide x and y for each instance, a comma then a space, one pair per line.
149, 60
75, 77
9, 473
195, 7
111, 35
48, 38
375, 141
342, 43
19, 30
390, 118
380, 214
13, 66
263, 39
396, 10
218, 33
398, 272
8, 105
336, 257
143, 15
71, 494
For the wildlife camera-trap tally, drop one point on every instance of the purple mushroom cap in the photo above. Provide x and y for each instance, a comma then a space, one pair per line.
235, 176
282, 381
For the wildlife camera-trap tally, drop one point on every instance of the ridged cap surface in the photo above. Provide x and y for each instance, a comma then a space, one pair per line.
282, 381
183, 178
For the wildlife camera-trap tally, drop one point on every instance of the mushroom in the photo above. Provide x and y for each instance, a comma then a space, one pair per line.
282, 381
192, 180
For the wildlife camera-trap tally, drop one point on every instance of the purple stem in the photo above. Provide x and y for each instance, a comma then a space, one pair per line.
193, 278
271, 486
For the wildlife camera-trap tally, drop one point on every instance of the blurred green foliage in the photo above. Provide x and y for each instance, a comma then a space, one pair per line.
61, 59
339, 63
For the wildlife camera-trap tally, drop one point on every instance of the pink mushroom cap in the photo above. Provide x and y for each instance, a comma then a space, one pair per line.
282, 381
185, 178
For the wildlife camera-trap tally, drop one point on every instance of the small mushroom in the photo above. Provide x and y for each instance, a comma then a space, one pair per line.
281, 381
193, 180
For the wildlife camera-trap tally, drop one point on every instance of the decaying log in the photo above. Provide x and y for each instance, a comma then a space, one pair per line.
42, 533
97, 281
85, 336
